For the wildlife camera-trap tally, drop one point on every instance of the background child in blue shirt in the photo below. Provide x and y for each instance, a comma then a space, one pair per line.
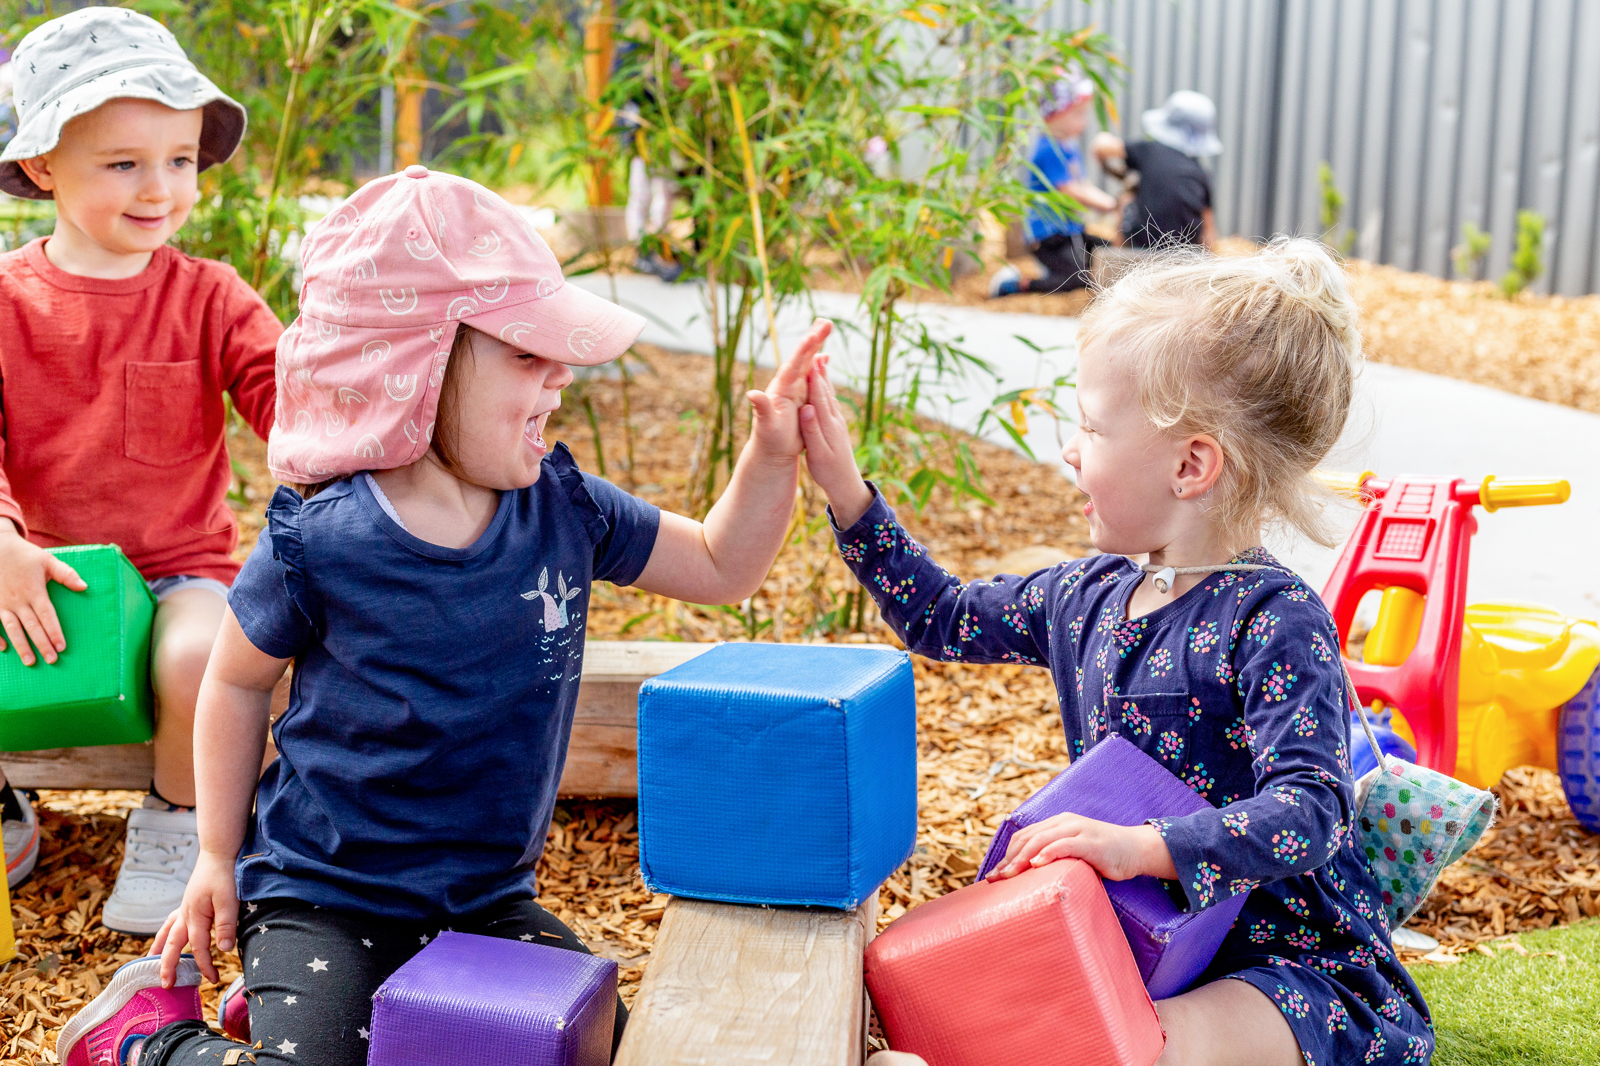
1058, 242
1208, 391
434, 609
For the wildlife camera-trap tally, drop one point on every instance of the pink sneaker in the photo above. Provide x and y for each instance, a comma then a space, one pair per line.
233, 1011
133, 1005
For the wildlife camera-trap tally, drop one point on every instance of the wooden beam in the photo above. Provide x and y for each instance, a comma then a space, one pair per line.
729, 984
602, 759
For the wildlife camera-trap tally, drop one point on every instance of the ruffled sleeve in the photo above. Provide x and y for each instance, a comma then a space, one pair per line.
272, 596
621, 526
576, 489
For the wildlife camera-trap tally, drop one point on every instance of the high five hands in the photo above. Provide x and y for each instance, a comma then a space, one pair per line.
799, 411
776, 432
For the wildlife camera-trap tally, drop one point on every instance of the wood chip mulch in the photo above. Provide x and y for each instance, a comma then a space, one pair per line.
988, 737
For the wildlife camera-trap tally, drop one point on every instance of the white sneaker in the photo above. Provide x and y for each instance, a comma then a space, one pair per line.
1006, 280
163, 845
21, 841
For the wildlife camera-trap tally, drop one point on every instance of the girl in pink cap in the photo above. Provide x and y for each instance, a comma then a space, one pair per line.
430, 580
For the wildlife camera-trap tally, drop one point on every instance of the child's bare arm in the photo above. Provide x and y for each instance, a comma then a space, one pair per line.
26, 612
230, 736
725, 558
249, 357
1090, 195
1106, 146
1208, 230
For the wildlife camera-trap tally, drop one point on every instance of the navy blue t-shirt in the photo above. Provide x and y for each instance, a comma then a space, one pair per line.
433, 690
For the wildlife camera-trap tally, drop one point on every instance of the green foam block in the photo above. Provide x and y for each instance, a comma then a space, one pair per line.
98, 691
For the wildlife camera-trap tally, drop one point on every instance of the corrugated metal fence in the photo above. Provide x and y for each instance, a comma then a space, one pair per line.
1431, 113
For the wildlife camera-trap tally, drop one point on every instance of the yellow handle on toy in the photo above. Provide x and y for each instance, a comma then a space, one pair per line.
1345, 484
1494, 495
8, 935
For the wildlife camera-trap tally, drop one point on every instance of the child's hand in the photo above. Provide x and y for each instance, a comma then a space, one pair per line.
26, 612
1117, 852
830, 456
211, 901
777, 424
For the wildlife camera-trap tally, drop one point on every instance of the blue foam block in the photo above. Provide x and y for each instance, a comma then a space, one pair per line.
778, 774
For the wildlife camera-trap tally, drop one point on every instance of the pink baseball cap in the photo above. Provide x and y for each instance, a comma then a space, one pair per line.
389, 277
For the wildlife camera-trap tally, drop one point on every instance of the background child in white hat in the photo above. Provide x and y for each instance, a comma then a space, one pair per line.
115, 352
1172, 191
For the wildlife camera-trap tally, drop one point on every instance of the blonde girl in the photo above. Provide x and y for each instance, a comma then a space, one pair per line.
1208, 390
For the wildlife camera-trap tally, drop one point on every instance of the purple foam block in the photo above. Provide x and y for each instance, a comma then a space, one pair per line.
1116, 782
495, 1002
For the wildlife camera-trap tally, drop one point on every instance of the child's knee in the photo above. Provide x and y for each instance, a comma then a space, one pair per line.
182, 647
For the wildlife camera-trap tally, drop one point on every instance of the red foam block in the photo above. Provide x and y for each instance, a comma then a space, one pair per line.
1033, 969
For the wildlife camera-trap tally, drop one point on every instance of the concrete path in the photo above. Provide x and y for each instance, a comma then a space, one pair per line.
1404, 422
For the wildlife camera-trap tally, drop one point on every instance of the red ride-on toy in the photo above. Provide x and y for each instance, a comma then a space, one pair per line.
1476, 689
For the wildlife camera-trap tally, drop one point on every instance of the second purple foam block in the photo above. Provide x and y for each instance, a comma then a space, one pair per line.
1116, 782
495, 1002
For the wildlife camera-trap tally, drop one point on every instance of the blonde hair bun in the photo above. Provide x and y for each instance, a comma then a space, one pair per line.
1259, 352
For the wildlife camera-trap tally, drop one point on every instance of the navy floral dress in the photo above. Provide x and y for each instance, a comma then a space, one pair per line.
1237, 689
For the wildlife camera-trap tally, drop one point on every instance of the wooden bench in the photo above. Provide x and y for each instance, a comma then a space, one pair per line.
729, 984
602, 759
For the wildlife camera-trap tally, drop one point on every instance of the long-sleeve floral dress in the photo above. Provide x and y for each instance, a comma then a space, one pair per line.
1236, 688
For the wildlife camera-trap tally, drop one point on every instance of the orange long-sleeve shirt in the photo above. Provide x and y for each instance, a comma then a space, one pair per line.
111, 411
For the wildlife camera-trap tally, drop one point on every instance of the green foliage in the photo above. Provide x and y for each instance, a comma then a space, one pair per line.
765, 109
1469, 255
1529, 1010
1332, 210
1527, 262
514, 71
752, 103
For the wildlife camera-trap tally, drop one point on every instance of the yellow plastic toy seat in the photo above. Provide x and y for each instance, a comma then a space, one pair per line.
1519, 663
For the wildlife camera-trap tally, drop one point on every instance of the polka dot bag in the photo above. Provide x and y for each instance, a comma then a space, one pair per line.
1412, 823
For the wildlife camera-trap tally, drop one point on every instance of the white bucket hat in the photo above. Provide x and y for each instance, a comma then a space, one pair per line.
1187, 122
73, 64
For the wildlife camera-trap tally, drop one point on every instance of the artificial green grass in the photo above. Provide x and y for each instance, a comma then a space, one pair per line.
1534, 1010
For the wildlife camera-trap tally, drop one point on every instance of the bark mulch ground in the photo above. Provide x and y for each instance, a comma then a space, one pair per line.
988, 737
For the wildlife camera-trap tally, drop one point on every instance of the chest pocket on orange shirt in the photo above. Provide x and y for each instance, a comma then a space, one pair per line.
163, 419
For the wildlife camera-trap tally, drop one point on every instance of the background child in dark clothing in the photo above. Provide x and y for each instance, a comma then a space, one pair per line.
1172, 203
1058, 242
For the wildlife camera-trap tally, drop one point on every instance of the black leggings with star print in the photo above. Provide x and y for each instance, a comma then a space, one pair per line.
310, 974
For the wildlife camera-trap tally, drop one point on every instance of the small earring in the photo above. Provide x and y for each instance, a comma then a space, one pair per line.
1178, 491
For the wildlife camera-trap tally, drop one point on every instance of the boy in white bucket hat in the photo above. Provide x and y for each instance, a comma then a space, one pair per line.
1172, 192
115, 352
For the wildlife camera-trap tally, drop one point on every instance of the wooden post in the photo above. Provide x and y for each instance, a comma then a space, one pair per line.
729, 984
409, 90
598, 54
